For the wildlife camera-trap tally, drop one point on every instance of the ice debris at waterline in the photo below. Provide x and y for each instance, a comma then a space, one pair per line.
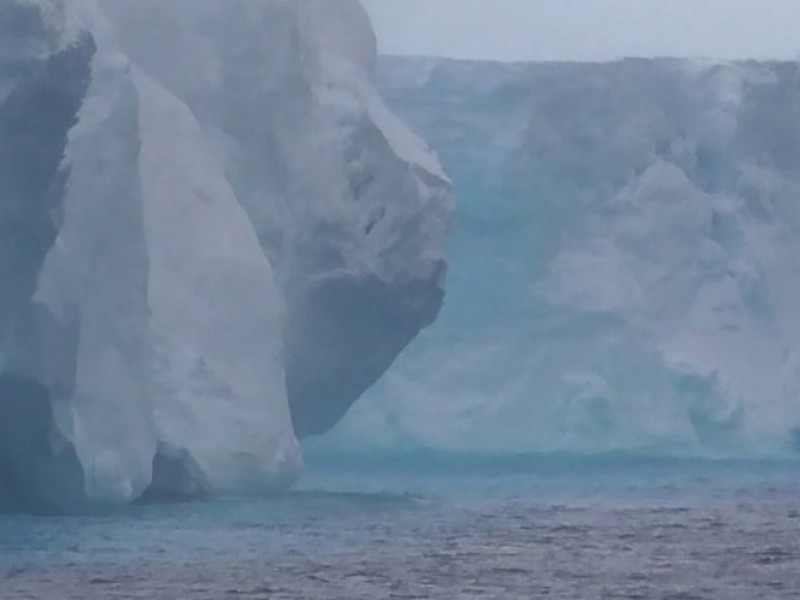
626, 261
213, 238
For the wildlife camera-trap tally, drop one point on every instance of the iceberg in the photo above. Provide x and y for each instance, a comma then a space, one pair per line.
625, 263
351, 209
215, 238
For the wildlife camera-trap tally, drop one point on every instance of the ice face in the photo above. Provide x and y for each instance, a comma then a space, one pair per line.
625, 266
215, 310
350, 207
42, 86
212, 227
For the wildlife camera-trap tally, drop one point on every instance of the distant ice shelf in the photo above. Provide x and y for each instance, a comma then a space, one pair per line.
626, 261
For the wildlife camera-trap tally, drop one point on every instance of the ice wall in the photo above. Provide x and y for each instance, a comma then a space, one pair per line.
626, 261
214, 235
350, 207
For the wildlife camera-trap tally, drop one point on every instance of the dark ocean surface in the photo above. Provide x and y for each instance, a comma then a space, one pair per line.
435, 527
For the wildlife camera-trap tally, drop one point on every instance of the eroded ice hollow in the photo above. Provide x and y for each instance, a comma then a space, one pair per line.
213, 238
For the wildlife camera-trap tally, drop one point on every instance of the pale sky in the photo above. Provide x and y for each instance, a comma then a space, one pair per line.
587, 29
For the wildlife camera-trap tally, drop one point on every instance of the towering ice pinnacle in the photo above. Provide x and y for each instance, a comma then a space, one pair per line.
211, 228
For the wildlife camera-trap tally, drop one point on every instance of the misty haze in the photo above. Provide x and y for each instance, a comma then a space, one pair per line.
341, 299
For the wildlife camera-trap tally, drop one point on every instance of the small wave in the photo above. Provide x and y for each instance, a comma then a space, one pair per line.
376, 499
425, 461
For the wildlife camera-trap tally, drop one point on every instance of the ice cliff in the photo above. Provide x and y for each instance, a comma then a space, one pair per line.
626, 261
214, 237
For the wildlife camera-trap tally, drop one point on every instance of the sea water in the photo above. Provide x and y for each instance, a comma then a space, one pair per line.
437, 526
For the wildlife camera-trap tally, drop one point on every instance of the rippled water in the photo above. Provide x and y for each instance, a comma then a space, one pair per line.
556, 530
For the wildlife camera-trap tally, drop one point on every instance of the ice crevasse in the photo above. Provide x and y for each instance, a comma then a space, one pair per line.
214, 237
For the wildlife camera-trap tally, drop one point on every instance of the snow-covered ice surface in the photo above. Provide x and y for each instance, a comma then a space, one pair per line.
215, 236
626, 261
